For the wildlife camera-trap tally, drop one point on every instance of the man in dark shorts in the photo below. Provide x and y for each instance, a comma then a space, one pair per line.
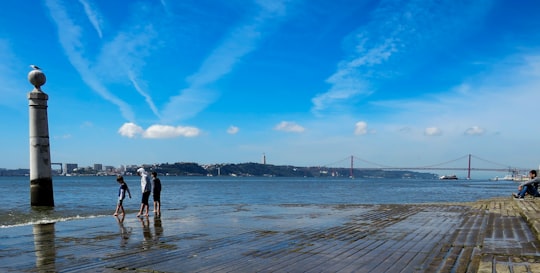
156, 186
146, 188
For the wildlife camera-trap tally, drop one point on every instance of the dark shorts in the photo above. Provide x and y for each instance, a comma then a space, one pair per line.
157, 196
145, 197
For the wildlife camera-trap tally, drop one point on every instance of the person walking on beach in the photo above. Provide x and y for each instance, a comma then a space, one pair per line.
529, 186
121, 195
156, 189
146, 188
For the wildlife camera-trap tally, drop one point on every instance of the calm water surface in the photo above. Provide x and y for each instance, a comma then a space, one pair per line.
84, 197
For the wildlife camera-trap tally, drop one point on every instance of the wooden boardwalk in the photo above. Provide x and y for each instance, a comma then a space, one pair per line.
499, 235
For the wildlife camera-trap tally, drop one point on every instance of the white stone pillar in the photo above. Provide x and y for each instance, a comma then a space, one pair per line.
41, 187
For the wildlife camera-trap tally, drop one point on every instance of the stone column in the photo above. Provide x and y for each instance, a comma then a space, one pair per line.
41, 187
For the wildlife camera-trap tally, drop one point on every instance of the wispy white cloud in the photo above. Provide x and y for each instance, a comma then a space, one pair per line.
165, 131
475, 131
239, 42
164, 4
124, 57
432, 131
70, 36
121, 58
341, 91
498, 100
143, 93
405, 130
93, 16
396, 28
10, 87
132, 130
288, 126
233, 130
360, 128
87, 124
66, 136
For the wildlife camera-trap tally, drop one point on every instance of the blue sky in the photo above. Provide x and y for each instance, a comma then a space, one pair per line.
306, 83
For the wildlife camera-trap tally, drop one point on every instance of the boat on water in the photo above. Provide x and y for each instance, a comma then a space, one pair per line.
511, 177
521, 178
448, 177
508, 177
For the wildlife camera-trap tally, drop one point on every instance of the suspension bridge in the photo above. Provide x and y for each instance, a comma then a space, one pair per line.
466, 159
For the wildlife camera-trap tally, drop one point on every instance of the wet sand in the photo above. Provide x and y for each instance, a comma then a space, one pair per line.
498, 235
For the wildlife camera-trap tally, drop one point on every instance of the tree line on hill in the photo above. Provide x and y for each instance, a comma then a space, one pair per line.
257, 169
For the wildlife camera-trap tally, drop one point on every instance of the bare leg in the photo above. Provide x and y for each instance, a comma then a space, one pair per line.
117, 208
141, 210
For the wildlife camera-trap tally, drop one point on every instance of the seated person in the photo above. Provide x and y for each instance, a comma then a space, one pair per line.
529, 186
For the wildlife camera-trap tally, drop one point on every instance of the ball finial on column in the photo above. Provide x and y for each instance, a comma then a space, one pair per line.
36, 77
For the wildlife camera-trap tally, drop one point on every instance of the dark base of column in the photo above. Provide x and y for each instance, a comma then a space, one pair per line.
41, 192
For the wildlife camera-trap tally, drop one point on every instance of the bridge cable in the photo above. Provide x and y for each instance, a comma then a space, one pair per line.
495, 163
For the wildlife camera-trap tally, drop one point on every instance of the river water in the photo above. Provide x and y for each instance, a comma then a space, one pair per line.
95, 196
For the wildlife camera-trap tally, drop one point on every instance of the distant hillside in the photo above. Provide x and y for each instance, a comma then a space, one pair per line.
257, 169
246, 169
16, 172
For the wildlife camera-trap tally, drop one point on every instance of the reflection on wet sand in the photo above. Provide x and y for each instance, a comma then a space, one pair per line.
44, 236
124, 232
150, 239
147, 233
158, 228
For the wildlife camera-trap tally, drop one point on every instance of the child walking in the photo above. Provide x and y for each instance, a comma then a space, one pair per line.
121, 195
